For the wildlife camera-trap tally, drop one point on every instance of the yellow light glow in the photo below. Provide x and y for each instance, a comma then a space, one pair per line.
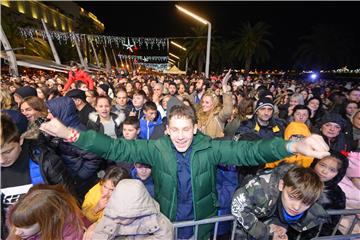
21, 7
171, 60
178, 45
173, 55
200, 19
34, 12
5, 3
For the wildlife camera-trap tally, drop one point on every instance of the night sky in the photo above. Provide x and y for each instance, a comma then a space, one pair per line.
289, 20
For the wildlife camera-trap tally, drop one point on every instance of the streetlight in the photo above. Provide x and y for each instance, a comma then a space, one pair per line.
184, 49
178, 45
173, 55
204, 21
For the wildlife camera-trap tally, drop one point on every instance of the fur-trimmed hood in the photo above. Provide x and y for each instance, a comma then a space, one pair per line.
117, 117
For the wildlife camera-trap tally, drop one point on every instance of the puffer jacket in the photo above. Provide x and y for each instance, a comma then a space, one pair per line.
131, 200
95, 124
295, 128
206, 154
275, 128
257, 204
82, 165
351, 191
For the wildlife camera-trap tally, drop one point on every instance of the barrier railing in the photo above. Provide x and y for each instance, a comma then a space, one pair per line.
230, 218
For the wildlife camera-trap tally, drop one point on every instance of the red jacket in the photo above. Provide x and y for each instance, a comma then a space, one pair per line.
79, 75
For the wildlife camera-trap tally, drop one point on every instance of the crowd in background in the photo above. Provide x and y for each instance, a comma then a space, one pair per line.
82, 189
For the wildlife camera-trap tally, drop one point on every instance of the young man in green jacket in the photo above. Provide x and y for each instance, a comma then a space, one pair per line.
184, 161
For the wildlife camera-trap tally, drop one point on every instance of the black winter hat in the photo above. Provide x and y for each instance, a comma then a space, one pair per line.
26, 91
77, 93
264, 102
334, 118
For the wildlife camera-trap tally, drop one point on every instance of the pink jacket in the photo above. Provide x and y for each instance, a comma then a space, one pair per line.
351, 191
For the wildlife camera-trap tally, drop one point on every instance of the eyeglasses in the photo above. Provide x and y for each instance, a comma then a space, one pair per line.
296, 137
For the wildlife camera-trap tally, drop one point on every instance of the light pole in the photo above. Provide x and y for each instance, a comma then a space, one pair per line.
200, 19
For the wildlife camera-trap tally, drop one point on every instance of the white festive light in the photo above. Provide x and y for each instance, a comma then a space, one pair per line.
97, 39
144, 58
128, 45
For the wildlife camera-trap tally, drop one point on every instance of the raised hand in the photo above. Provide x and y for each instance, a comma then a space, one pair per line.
55, 128
312, 146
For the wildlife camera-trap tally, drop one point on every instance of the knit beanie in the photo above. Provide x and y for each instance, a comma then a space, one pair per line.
334, 118
264, 102
26, 91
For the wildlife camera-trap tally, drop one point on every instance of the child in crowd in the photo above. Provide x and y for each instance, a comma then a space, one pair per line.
331, 170
138, 101
274, 201
46, 212
25, 163
142, 172
150, 119
131, 211
98, 196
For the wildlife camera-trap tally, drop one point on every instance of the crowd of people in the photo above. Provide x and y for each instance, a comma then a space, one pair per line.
123, 155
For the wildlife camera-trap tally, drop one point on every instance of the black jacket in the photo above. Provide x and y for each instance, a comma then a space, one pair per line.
275, 128
95, 124
333, 198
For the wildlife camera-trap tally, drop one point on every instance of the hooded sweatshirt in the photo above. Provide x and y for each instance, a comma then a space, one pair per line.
295, 128
130, 199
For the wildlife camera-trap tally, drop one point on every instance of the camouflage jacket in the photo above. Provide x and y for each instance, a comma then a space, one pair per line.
257, 204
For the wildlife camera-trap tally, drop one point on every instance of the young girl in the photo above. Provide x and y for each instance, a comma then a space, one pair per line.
331, 170
99, 195
105, 121
46, 212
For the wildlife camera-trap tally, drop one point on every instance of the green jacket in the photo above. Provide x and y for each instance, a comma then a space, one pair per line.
206, 154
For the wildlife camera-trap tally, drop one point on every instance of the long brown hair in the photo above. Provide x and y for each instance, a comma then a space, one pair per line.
37, 104
50, 206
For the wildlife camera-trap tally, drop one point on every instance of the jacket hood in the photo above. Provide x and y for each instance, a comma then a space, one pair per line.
341, 172
130, 199
118, 117
64, 109
296, 128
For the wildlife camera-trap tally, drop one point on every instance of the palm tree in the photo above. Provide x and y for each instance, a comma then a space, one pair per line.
326, 46
196, 48
251, 43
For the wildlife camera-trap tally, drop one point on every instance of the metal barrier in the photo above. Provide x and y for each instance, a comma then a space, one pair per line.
215, 220
228, 218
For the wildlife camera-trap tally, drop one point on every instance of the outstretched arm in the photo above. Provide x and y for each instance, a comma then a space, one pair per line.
252, 153
102, 145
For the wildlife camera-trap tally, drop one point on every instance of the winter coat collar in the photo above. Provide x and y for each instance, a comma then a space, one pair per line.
117, 117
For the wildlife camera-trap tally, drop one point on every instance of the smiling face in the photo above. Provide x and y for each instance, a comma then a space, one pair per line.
327, 168
207, 103
30, 113
181, 131
314, 104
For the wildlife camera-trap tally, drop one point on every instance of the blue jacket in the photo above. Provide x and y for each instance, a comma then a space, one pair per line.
82, 165
226, 185
149, 182
147, 128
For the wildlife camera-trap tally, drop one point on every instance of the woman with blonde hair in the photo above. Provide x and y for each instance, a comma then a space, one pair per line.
211, 114
6, 100
46, 212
